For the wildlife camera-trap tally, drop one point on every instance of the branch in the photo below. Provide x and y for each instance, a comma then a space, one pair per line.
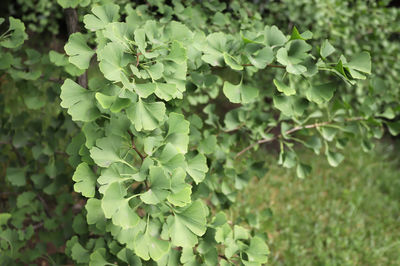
269, 65
71, 18
20, 158
290, 131
142, 156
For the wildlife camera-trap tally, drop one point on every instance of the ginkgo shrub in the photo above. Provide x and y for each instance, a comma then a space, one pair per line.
159, 140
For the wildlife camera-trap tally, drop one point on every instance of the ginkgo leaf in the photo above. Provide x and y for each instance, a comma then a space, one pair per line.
113, 59
188, 224
17, 36
197, 167
232, 62
259, 57
116, 206
282, 87
177, 53
103, 15
159, 186
165, 91
98, 258
117, 172
171, 159
85, 180
257, 251
274, 37
79, 102
213, 51
326, 49
180, 190
178, 132
239, 93
156, 71
79, 52
79, 253
146, 115
290, 105
110, 150
149, 245
321, 93
94, 212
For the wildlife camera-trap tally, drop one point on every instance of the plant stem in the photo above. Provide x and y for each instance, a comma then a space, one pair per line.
290, 131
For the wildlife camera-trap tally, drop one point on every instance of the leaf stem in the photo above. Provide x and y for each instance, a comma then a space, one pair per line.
290, 131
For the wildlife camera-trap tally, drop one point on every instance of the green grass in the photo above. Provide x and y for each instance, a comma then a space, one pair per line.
349, 215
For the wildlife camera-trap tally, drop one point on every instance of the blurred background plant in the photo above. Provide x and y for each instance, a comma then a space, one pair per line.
336, 216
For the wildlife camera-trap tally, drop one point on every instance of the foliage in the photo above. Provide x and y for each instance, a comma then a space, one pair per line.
160, 139
338, 216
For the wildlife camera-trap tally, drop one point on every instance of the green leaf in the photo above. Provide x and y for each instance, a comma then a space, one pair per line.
156, 71
181, 191
146, 116
188, 224
68, 3
171, 159
328, 133
145, 90
79, 253
208, 145
178, 132
197, 168
103, 15
326, 49
16, 176
79, 102
274, 37
361, 62
240, 232
25, 199
159, 186
239, 93
98, 258
17, 36
4, 217
258, 251
334, 158
94, 212
85, 180
290, 105
259, 58
321, 93
149, 245
282, 87
109, 150
116, 206
303, 170
177, 53
232, 62
165, 91
304, 36
292, 55
213, 51
79, 52
394, 127
113, 59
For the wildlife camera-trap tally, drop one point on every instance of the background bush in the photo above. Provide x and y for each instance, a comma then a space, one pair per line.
239, 82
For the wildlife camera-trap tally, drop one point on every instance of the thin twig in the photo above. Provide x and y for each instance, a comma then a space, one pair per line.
20, 158
290, 131
269, 65
142, 156
45, 206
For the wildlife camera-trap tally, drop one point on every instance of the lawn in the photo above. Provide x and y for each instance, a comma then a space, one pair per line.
349, 215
